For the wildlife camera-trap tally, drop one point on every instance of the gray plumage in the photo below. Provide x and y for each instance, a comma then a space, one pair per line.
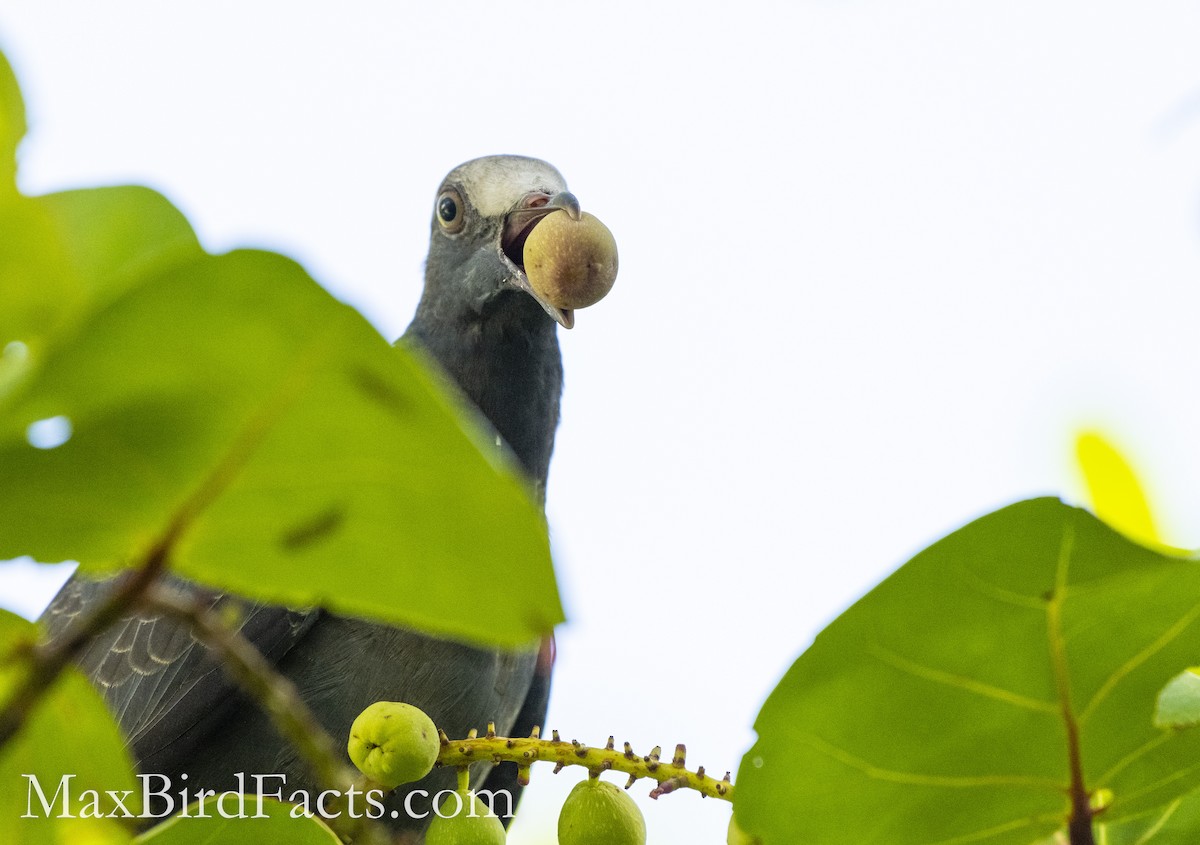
498, 343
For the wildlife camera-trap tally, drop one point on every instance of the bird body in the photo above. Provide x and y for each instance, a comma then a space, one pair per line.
495, 340
511, 370
497, 345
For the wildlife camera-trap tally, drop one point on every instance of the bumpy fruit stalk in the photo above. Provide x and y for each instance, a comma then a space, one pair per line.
528, 750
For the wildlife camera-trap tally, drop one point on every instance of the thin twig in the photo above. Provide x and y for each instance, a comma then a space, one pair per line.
278, 697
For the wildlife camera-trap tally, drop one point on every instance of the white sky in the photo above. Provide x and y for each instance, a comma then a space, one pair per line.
879, 261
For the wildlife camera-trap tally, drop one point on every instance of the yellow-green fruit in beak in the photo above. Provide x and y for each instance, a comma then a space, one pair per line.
570, 263
597, 812
393, 743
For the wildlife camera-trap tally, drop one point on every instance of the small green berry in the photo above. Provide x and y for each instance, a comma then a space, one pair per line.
736, 836
597, 812
471, 825
393, 743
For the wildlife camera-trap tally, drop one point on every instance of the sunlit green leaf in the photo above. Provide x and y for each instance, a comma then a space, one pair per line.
68, 734
39, 285
288, 451
250, 821
113, 236
65, 252
932, 711
1117, 495
37, 282
12, 128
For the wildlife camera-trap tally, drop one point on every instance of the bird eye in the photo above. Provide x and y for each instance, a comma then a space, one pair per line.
450, 211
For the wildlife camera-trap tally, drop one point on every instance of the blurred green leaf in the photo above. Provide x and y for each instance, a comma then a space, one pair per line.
1179, 702
76, 250
929, 711
114, 236
39, 286
71, 251
37, 283
12, 127
253, 821
69, 733
232, 404
64, 252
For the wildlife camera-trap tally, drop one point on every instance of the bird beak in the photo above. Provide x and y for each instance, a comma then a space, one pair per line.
518, 223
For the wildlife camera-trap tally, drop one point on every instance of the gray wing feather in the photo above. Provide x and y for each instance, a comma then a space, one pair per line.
163, 686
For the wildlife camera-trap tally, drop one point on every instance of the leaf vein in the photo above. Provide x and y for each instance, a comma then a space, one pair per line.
1007, 827
1108, 776
1160, 783
917, 779
991, 591
962, 682
1129, 666
1153, 830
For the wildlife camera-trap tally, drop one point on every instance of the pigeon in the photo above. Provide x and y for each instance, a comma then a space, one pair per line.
186, 720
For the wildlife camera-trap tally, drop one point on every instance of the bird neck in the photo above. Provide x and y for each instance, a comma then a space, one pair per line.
506, 360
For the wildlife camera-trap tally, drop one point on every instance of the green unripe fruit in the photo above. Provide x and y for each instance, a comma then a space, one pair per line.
736, 836
471, 825
393, 743
600, 813
570, 263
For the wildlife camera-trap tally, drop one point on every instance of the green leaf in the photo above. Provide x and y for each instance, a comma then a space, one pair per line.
230, 407
62, 252
39, 285
73, 250
1178, 823
12, 127
114, 236
68, 734
933, 709
248, 821
1179, 701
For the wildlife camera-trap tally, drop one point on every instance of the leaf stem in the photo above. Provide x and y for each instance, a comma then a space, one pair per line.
1079, 825
278, 697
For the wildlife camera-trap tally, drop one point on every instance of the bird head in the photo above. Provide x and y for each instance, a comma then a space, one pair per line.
483, 213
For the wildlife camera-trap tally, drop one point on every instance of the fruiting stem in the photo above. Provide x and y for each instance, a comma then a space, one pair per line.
527, 750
